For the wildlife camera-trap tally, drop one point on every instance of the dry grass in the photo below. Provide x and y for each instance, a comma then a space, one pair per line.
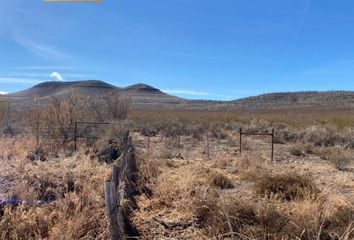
73, 191
301, 149
336, 156
186, 206
286, 186
284, 204
185, 195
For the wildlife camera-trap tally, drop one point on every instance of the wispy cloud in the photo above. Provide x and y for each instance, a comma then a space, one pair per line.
187, 92
42, 50
41, 76
195, 93
12, 80
46, 67
57, 76
301, 25
80, 75
3, 93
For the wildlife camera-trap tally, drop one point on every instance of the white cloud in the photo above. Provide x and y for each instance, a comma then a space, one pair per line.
3, 93
57, 76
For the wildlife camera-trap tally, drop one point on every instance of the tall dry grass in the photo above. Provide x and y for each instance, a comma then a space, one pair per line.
63, 198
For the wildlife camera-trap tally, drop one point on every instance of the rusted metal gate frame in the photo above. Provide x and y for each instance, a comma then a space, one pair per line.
258, 134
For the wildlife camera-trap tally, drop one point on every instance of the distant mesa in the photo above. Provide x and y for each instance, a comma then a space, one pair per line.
147, 97
86, 83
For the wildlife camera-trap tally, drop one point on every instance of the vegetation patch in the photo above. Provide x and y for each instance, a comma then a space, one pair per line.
220, 180
336, 156
286, 186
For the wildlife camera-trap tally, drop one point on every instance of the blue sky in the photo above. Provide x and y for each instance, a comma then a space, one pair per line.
191, 48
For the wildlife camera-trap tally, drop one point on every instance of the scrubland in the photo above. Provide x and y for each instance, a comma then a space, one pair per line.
191, 188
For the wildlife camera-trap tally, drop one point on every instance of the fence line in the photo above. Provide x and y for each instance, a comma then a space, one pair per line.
259, 134
73, 131
116, 196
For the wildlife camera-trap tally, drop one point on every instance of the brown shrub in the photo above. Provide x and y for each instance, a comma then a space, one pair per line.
286, 135
336, 156
230, 217
197, 131
296, 150
117, 106
328, 136
219, 218
287, 186
221, 180
217, 131
301, 149
171, 148
75, 217
38, 154
149, 171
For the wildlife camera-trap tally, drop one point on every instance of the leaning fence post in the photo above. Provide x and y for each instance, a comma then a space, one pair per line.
240, 140
112, 210
272, 145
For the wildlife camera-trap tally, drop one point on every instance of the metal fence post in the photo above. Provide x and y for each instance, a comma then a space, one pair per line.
240, 140
75, 136
207, 150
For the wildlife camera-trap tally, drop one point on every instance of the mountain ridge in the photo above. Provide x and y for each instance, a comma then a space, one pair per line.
144, 96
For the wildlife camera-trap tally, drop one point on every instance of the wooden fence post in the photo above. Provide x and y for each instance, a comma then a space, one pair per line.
125, 146
130, 142
115, 176
240, 141
112, 210
131, 173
